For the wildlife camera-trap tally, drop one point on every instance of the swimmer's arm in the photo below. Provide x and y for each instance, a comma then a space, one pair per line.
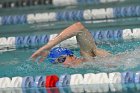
101, 52
69, 32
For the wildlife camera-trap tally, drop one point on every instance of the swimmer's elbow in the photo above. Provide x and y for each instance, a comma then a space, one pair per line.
79, 24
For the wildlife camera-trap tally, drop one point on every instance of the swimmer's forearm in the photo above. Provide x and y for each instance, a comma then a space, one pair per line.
71, 31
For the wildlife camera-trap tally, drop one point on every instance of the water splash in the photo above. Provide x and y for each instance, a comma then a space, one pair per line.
122, 61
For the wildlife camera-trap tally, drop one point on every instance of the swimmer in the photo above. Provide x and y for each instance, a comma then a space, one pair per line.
88, 48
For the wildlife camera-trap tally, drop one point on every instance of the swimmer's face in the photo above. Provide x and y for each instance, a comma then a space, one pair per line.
72, 61
69, 60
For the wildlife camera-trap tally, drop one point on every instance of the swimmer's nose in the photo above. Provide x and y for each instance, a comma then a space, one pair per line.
69, 60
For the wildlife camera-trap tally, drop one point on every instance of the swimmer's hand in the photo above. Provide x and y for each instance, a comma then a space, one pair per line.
39, 54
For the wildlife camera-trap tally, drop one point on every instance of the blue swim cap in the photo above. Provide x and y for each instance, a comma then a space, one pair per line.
57, 52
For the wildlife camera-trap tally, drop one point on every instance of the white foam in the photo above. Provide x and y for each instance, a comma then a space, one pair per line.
115, 81
76, 82
31, 18
98, 13
16, 82
5, 82
87, 14
109, 13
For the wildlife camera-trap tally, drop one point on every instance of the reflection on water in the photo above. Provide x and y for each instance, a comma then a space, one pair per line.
97, 88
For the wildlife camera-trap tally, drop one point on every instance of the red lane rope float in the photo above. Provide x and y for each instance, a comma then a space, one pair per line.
51, 81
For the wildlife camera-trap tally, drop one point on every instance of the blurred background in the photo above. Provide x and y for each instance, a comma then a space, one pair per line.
33, 17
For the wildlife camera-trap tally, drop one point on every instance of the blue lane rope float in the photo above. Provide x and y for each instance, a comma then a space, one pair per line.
127, 77
118, 34
28, 82
64, 80
35, 40
30, 41
138, 10
22, 19
116, 12
27, 41
107, 35
58, 16
124, 12
132, 11
17, 19
19, 42
44, 39
98, 35
39, 81
80, 15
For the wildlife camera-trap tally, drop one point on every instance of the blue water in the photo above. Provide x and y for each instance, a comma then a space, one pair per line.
17, 63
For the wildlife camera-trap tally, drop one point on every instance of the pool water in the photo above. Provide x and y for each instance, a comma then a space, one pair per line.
17, 63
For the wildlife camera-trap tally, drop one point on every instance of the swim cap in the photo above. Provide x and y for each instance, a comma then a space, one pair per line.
57, 52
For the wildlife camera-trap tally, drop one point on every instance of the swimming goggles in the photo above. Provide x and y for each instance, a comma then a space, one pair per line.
62, 58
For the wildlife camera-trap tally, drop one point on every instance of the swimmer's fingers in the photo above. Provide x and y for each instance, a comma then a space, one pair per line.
43, 56
34, 57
